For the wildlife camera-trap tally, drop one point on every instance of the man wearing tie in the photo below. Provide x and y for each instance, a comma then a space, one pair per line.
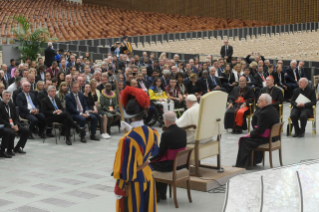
226, 51
260, 78
141, 82
10, 120
43, 93
165, 77
29, 109
53, 111
7, 75
77, 107
31, 79
218, 72
214, 81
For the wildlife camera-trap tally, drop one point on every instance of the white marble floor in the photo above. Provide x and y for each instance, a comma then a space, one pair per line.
62, 178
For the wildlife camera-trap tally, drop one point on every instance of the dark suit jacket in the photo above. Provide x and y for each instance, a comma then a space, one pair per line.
71, 106
48, 108
145, 84
206, 84
307, 92
290, 77
69, 65
23, 104
41, 95
259, 80
217, 80
12, 80
250, 80
4, 116
166, 83
277, 81
15, 94
173, 138
228, 54
303, 73
150, 70
66, 70
49, 54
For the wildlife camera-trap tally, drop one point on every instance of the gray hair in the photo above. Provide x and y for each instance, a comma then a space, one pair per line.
21, 65
170, 116
293, 61
51, 87
97, 72
266, 97
25, 82
211, 68
266, 61
103, 63
1, 71
176, 55
50, 44
5, 91
305, 79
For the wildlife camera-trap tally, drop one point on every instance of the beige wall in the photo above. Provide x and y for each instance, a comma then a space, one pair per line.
276, 11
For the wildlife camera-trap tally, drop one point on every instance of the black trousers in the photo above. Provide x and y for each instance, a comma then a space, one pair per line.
65, 119
38, 120
246, 146
302, 114
8, 136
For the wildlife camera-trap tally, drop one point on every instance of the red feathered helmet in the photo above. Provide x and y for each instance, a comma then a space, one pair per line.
134, 101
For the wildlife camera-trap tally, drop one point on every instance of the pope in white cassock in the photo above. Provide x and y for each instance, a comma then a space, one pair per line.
190, 117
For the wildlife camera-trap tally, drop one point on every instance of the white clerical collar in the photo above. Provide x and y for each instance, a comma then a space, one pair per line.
137, 123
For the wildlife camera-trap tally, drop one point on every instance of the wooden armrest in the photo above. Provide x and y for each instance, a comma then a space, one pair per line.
189, 126
280, 109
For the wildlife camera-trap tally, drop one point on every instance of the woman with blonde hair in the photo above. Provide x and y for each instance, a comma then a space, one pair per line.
62, 92
253, 68
237, 72
162, 56
35, 73
39, 86
96, 94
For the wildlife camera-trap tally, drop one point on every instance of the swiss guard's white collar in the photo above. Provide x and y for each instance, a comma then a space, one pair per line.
137, 123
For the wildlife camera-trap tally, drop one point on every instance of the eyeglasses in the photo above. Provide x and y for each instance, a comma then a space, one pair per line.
27, 86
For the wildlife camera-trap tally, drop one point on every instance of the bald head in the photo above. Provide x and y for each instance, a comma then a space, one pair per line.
269, 81
242, 81
303, 82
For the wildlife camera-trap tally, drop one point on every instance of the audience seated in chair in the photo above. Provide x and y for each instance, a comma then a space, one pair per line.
10, 120
76, 106
173, 140
29, 109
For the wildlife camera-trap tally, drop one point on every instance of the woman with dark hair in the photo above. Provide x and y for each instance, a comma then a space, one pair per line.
172, 92
228, 78
61, 78
62, 92
181, 68
197, 65
194, 86
94, 111
180, 84
158, 95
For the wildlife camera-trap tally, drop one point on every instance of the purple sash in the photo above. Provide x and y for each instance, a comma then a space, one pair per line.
169, 155
265, 134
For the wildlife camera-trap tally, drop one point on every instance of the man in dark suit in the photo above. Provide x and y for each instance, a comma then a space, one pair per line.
10, 120
53, 111
7, 75
250, 79
72, 61
226, 51
41, 72
43, 93
300, 110
214, 81
301, 70
18, 90
260, 79
31, 79
29, 109
173, 140
77, 107
49, 54
166, 74
152, 67
292, 75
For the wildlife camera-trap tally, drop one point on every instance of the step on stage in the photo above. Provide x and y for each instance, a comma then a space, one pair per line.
211, 179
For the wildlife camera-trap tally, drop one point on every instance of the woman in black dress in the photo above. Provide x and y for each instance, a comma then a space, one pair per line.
194, 86
228, 79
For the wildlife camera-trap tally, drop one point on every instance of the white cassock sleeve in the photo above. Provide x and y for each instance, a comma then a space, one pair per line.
183, 120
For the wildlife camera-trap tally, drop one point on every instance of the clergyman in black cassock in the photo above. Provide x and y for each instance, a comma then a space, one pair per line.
173, 140
53, 111
267, 118
276, 96
10, 120
302, 111
239, 100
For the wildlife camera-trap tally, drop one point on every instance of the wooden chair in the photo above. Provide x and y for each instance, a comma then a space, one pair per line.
312, 119
177, 176
271, 146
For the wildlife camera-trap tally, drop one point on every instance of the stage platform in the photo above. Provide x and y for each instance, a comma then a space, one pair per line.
211, 179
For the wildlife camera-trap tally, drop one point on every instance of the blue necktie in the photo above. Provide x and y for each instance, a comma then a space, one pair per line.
213, 80
53, 102
30, 101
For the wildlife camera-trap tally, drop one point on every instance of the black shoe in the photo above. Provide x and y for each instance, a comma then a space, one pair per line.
68, 141
11, 153
94, 138
19, 150
295, 135
83, 140
301, 135
79, 130
50, 135
4, 155
31, 136
42, 135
